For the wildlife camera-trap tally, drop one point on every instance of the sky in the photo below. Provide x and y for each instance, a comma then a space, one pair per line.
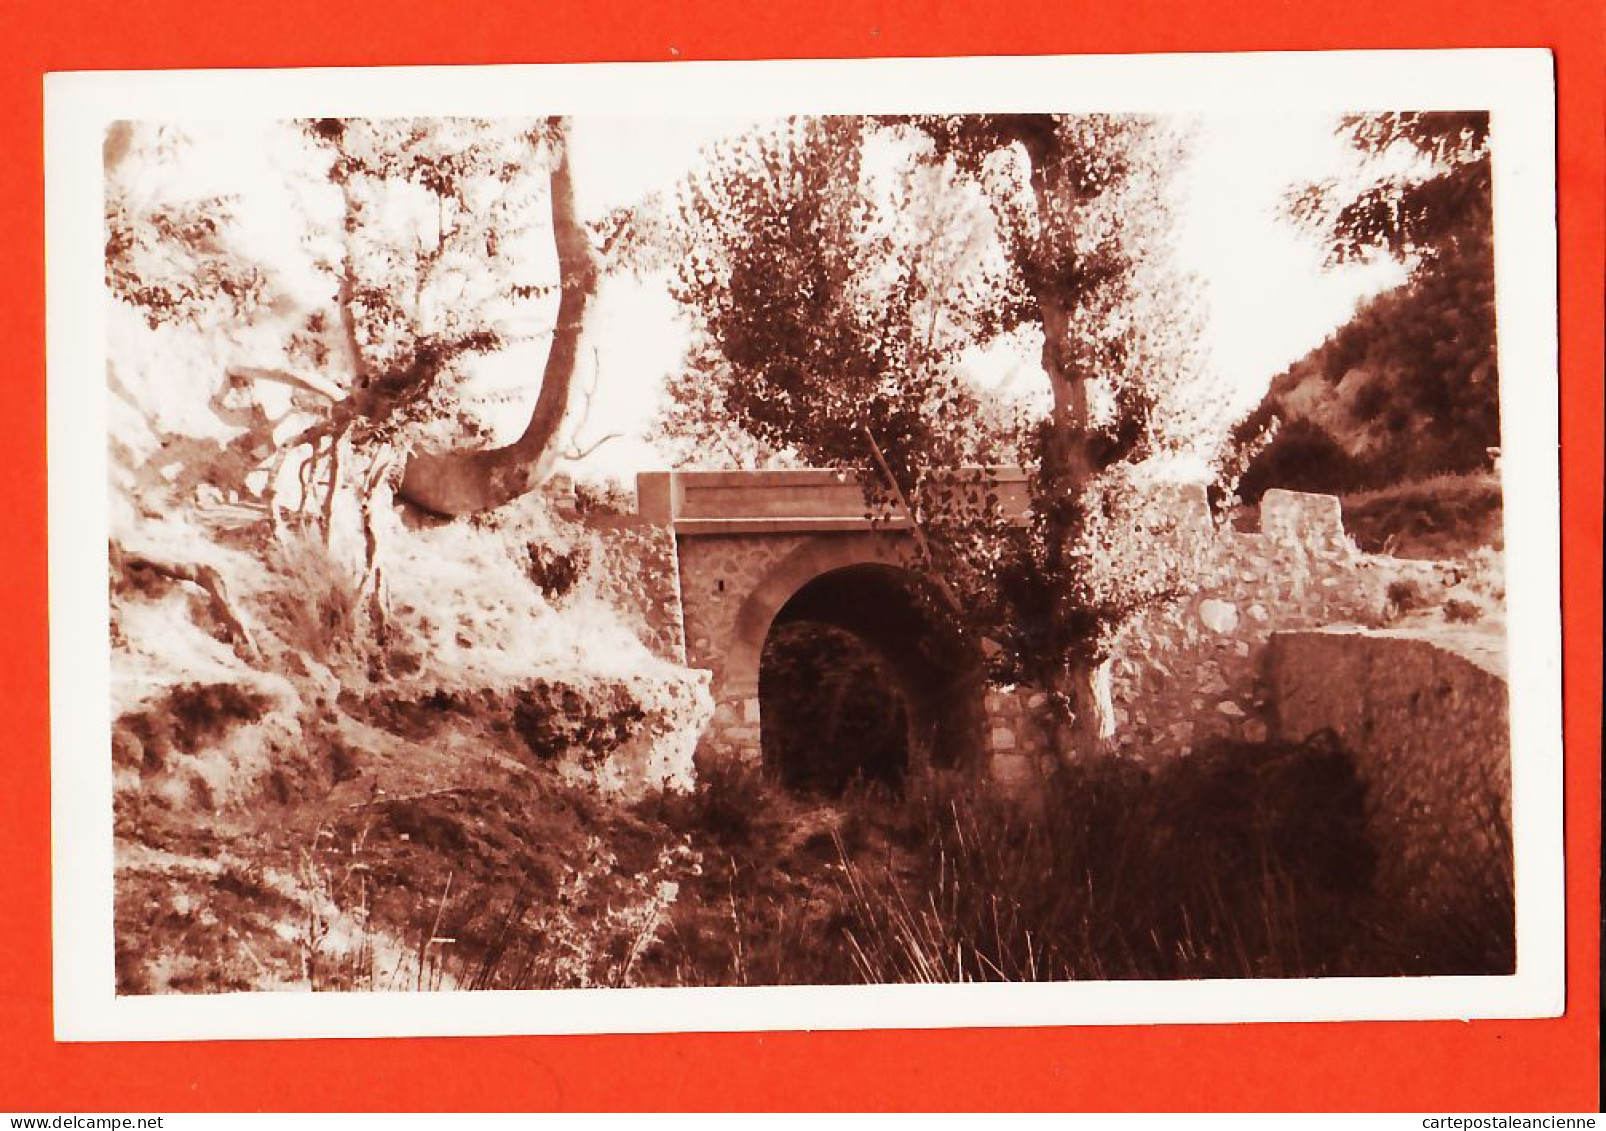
1270, 297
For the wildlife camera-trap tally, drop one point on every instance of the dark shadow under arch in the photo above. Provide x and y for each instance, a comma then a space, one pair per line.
908, 643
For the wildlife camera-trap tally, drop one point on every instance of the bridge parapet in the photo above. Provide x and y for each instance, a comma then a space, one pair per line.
807, 500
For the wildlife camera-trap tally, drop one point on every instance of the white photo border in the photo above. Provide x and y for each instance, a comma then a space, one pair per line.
1515, 85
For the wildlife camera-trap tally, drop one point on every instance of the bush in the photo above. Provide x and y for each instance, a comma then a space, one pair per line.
1444, 517
725, 805
832, 711
1302, 456
554, 571
312, 604
189, 719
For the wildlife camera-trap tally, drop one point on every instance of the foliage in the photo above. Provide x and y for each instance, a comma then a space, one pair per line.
1244, 860
1241, 861
1443, 517
555, 570
421, 228
1423, 187
423, 265
1409, 387
172, 257
1301, 456
840, 272
169, 262
816, 305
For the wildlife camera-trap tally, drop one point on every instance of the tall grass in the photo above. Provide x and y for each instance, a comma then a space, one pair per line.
1242, 861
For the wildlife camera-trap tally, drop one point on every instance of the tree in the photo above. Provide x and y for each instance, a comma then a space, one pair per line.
816, 314
427, 272
171, 259
1421, 189
428, 231
465, 482
833, 311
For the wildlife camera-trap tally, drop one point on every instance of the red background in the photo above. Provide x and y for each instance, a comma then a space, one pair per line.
1497, 1065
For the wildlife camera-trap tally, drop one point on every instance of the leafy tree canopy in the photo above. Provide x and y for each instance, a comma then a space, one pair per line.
1421, 188
839, 272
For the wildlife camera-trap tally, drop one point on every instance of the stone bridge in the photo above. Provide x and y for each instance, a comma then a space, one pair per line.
759, 550
1284, 635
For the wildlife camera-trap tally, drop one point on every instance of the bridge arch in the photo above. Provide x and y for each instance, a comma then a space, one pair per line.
759, 550
859, 585
811, 558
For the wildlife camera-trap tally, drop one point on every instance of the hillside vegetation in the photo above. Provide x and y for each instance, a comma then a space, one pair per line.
1406, 389
1398, 413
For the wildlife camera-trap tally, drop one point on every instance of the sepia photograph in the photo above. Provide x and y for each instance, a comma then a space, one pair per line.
718, 545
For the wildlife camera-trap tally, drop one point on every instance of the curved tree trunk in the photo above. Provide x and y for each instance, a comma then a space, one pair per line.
455, 483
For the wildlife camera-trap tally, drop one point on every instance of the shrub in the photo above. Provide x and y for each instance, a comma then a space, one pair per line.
555, 719
312, 603
555, 571
1461, 612
1444, 517
190, 718
832, 710
1302, 456
608, 498
724, 806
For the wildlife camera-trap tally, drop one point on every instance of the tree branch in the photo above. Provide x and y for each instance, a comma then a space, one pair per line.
573, 451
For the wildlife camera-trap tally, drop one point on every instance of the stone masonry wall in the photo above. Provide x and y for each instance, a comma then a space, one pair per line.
1430, 732
1182, 674
1257, 650
1018, 737
640, 575
1191, 671
716, 574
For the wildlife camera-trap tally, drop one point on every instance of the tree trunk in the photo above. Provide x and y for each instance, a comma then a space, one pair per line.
1085, 689
455, 483
1068, 462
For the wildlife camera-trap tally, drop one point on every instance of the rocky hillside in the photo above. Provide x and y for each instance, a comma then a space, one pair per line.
1406, 390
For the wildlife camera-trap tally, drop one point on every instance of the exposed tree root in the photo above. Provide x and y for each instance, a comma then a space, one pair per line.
203, 577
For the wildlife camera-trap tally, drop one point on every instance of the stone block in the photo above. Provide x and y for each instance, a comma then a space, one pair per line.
1300, 519
1218, 616
1012, 769
1003, 738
